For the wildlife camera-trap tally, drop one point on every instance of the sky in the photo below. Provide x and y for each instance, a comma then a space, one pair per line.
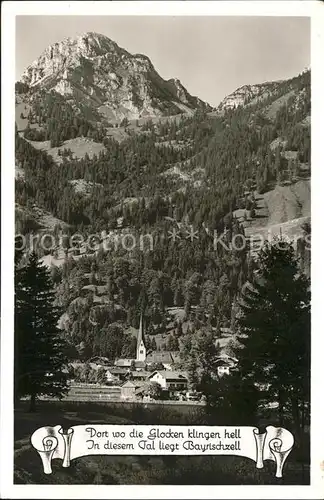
212, 56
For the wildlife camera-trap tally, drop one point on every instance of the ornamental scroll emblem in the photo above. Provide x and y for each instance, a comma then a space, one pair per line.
81, 440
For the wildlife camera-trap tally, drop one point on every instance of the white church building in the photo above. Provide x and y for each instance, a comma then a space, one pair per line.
140, 348
140, 361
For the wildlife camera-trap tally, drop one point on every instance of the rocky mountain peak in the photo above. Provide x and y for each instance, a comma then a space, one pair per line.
92, 69
247, 94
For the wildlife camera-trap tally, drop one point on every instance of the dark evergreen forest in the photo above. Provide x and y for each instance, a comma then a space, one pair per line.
227, 158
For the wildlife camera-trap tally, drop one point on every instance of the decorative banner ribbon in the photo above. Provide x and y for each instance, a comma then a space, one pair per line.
81, 440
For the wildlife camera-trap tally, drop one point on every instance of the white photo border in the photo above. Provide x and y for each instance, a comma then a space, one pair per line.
10, 9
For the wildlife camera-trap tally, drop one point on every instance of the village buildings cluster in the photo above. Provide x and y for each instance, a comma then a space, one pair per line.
137, 380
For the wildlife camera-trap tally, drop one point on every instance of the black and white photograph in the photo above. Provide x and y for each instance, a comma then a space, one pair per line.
161, 262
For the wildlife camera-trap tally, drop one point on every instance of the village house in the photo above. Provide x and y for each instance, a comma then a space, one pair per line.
167, 358
173, 382
120, 373
134, 390
225, 365
128, 363
128, 390
111, 378
140, 376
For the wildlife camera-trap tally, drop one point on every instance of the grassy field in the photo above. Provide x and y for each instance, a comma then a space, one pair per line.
134, 469
80, 146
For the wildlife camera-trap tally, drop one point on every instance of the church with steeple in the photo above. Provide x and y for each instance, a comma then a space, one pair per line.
141, 351
143, 357
140, 348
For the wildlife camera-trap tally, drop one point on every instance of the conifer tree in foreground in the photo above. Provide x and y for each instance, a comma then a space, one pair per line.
39, 348
275, 333
272, 347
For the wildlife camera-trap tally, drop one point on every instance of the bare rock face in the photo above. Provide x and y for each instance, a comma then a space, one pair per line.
248, 94
93, 70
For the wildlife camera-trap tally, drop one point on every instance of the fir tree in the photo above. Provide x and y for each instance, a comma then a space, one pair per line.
40, 350
231, 400
275, 332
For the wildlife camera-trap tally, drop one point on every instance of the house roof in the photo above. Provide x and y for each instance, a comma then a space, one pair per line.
223, 362
140, 364
226, 360
124, 362
140, 373
162, 357
118, 369
170, 375
131, 383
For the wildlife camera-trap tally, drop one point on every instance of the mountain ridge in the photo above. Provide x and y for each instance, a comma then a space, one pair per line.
92, 69
249, 94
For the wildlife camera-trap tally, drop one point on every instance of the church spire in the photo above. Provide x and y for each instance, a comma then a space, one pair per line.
140, 330
140, 349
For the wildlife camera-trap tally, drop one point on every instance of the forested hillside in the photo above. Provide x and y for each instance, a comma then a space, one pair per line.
176, 183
